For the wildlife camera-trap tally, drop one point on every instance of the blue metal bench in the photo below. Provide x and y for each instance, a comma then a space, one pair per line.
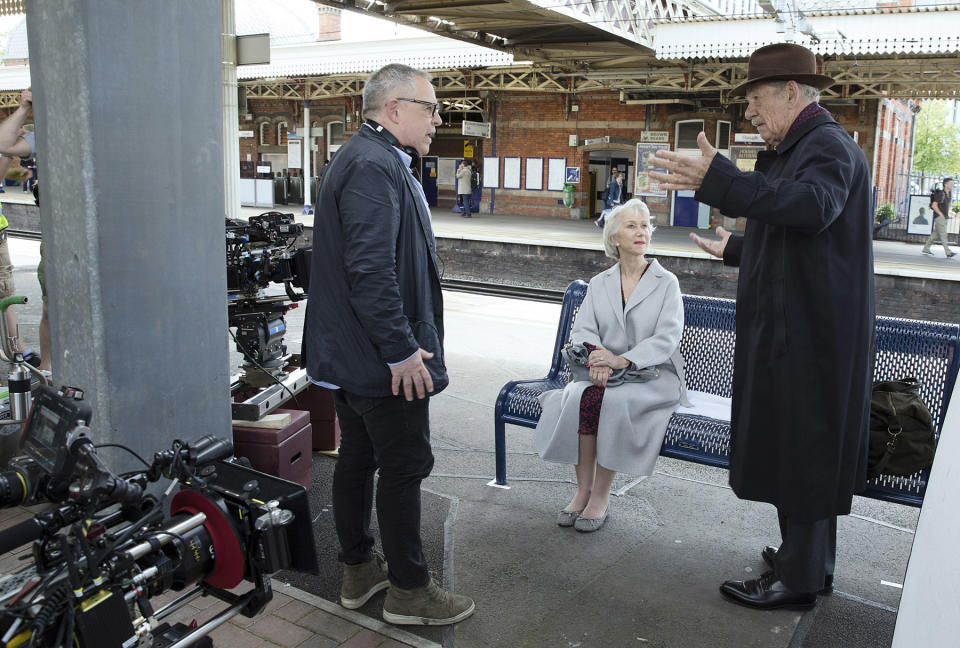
928, 350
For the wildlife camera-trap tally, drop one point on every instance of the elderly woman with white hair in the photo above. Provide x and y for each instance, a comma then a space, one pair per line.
631, 318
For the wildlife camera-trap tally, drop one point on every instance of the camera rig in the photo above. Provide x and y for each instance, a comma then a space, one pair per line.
260, 252
106, 546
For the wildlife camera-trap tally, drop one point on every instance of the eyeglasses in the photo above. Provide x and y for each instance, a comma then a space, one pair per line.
434, 107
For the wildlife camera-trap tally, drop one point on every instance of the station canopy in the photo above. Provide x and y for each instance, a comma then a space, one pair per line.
657, 48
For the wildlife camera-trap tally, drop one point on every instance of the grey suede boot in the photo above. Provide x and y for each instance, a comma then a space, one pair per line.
361, 582
427, 605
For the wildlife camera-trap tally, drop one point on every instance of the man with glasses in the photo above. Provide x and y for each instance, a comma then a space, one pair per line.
374, 334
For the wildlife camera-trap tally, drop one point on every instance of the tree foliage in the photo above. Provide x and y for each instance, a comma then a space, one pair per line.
937, 142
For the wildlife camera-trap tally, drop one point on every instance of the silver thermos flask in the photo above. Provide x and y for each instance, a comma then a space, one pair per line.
18, 384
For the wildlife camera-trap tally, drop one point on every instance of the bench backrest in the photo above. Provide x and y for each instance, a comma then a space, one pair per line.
572, 299
930, 351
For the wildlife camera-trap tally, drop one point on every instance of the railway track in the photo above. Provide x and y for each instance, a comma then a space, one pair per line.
502, 290
24, 234
459, 285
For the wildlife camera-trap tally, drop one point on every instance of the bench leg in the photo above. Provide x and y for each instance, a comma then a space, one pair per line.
500, 443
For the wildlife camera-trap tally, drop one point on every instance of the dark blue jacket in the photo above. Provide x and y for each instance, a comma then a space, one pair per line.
803, 362
374, 286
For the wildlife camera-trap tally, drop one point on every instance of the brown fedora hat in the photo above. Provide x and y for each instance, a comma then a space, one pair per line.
783, 62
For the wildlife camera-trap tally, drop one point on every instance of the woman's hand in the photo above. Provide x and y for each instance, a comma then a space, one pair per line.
602, 363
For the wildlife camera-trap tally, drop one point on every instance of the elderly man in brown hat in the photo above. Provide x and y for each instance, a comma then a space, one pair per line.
805, 317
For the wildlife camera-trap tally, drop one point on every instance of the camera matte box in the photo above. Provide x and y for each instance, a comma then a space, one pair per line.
284, 453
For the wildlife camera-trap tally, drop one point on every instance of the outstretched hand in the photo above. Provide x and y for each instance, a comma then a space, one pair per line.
711, 246
684, 172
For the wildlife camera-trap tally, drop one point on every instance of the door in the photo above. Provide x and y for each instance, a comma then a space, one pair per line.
428, 175
688, 212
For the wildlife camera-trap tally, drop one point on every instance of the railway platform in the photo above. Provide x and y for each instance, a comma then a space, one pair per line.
650, 577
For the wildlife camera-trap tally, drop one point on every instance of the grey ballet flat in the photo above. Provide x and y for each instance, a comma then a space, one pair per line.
589, 525
567, 518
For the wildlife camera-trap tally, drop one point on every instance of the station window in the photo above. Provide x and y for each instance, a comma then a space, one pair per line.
282, 133
334, 137
264, 126
723, 137
686, 136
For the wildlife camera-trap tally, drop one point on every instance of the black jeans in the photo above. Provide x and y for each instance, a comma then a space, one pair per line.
393, 435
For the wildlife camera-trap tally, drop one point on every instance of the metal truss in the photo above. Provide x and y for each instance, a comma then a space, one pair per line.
856, 79
10, 99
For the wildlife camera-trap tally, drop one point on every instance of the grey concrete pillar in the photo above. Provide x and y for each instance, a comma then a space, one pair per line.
127, 100
231, 114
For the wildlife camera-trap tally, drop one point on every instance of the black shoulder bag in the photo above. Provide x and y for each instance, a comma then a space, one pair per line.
902, 441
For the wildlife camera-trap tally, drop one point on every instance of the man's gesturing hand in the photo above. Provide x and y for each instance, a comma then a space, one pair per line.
413, 376
715, 248
684, 172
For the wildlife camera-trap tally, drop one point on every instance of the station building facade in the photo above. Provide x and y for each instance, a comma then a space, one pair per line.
539, 140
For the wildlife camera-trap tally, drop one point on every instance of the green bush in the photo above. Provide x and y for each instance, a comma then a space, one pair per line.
885, 213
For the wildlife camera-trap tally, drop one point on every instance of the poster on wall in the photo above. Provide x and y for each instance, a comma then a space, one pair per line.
555, 173
534, 176
491, 173
920, 216
745, 157
643, 185
572, 175
511, 173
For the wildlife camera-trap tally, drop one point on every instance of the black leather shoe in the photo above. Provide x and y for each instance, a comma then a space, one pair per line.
769, 552
767, 593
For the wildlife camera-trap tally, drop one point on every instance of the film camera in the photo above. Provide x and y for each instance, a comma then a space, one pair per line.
105, 546
261, 252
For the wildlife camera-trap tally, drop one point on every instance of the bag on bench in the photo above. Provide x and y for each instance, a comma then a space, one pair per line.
902, 441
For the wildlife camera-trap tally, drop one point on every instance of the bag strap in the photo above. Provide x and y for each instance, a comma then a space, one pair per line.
891, 446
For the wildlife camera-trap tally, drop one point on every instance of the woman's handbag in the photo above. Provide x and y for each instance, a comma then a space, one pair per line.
576, 356
902, 441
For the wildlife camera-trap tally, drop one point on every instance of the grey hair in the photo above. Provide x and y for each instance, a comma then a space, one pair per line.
806, 91
611, 224
384, 82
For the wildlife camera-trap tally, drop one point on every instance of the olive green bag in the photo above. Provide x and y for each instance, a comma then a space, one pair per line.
902, 441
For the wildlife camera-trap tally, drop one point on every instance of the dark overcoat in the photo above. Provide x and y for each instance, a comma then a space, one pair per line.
803, 361
374, 286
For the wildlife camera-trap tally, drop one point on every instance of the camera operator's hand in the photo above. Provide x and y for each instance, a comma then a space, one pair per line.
26, 99
412, 375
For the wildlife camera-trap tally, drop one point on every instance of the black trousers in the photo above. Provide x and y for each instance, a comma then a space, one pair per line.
392, 435
807, 554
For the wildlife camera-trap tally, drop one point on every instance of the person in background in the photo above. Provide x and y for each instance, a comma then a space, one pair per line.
803, 362
631, 318
940, 204
464, 172
374, 334
16, 141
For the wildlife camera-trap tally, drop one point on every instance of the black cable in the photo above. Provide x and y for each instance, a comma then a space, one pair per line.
249, 357
122, 447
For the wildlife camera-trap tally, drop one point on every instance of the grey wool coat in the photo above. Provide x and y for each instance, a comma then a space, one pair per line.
633, 416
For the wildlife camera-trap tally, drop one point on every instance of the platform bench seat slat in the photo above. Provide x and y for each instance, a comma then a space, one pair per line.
928, 350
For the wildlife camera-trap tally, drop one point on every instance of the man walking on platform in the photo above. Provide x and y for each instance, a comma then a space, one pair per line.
805, 317
940, 204
374, 333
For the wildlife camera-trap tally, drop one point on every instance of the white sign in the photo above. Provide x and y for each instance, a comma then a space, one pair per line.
747, 138
294, 153
597, 140
476, 129
263, 169
655, 137
248, 133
